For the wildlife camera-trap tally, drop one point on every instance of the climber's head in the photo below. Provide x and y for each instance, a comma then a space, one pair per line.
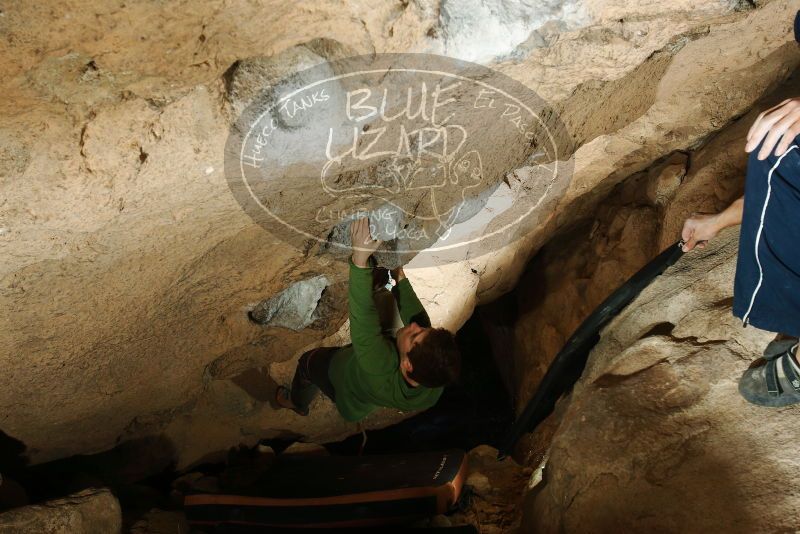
428, 356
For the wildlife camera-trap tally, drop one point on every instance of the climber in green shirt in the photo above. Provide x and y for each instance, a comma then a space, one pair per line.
407, 372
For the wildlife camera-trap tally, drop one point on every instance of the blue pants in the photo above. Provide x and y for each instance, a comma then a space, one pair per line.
767, 285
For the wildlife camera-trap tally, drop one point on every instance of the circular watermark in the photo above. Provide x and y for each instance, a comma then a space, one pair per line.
446, 157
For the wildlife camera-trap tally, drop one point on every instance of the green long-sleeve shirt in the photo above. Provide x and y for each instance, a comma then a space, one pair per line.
366, 374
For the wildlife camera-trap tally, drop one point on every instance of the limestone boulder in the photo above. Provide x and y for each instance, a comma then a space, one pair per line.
656, 436
93, 511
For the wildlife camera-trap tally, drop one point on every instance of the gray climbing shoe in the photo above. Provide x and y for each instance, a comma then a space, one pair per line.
776, 383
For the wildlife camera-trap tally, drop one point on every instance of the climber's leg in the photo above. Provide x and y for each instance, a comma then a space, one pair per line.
310, 376
319, 361
767, 284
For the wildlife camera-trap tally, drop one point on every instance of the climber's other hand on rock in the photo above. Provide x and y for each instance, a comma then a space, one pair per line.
778, 125
361, 242
698, 229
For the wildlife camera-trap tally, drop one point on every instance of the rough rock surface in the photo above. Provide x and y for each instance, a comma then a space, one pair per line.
497, 489
640, 217
161, 522
88, 512
295, 307
656, 437
128, 265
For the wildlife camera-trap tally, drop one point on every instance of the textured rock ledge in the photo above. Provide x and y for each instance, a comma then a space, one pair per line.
92, 511
655, 436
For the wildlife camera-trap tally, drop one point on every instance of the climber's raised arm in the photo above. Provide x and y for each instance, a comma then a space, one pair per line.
409, 306
372, 349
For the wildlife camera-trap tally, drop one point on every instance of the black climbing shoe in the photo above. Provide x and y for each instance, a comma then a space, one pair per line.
284, 400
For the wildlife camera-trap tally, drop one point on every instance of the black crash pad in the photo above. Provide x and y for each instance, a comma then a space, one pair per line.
241, 529
339, 491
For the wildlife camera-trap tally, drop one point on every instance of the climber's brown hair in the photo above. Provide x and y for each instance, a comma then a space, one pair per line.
435, 360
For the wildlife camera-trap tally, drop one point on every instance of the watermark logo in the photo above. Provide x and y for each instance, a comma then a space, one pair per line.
446, 157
